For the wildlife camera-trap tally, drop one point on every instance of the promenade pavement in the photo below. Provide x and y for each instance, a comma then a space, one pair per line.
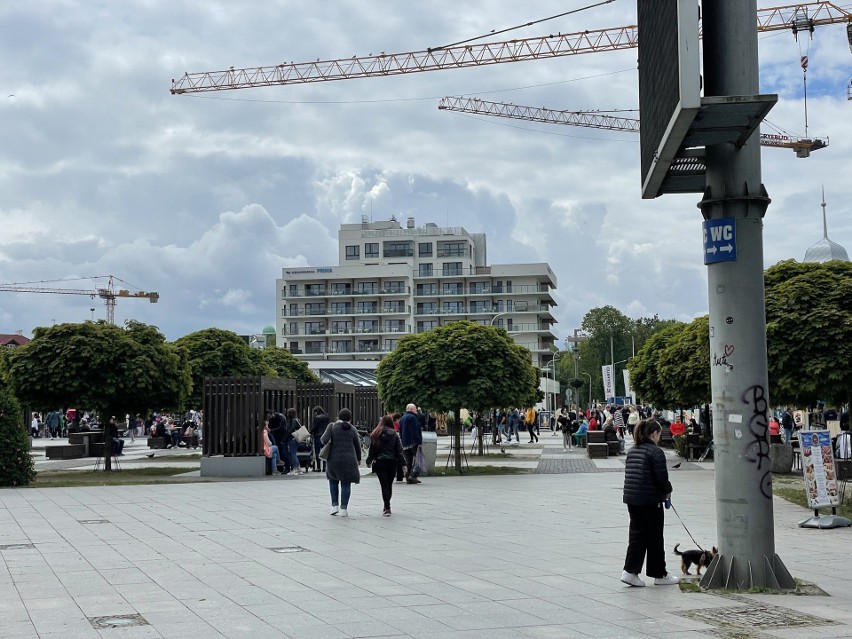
510, 556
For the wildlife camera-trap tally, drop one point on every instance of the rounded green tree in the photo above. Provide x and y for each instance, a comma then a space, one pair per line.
16, 464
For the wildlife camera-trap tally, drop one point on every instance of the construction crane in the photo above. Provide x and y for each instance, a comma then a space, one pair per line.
108, 293
798, 17
597, 120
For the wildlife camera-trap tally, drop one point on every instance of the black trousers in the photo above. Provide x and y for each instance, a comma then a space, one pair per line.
410, 454
531, 431
646, 537
385, 470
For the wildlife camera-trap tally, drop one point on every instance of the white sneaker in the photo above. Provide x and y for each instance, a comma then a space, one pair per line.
668, 580
334, 510
632, 579
343, 512
293, 473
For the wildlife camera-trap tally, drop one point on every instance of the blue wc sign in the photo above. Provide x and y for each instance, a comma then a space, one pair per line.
720, 240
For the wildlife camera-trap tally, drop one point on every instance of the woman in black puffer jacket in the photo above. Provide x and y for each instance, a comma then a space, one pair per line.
386, 456
646, 487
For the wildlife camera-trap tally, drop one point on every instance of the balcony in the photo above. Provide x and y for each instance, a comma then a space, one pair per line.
408, 252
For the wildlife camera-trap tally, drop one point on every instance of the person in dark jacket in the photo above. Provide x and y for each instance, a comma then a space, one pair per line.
343, 461
412, 438
317, 429
385, 456
646, 487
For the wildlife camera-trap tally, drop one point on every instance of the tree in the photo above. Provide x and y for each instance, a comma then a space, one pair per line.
644, 368
809, 332
284, 364
214, 352
609, 339
683, 366
97, 365
16, 463
458, 365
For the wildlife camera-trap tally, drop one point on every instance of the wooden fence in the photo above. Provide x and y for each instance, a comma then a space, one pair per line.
234, 409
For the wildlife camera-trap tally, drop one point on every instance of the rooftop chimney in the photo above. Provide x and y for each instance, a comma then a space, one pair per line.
410, 223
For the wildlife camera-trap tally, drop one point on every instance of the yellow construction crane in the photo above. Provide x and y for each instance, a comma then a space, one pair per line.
597, 120
797, 18
107, 292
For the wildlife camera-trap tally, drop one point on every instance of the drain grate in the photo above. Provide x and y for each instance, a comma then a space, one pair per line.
92, 521
17, 547
754, 616
284, 550
117, 621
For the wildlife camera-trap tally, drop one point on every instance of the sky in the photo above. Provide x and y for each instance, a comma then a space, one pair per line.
205, 198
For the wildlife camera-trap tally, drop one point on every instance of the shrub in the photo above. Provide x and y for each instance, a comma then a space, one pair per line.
16, 464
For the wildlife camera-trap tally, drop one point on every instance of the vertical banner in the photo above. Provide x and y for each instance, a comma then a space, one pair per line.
628, 392
608, 382
818, 468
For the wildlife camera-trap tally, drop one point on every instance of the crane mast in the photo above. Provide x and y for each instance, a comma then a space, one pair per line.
796, 17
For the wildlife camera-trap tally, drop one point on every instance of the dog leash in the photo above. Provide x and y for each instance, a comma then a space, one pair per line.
686, 529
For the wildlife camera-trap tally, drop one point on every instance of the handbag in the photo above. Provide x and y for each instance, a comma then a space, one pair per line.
325, 451
301, 434
420, 462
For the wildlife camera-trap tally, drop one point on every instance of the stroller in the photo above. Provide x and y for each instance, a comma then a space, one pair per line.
305, 453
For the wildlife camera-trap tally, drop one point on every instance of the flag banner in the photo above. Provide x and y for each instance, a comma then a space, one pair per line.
608, 382
628, 392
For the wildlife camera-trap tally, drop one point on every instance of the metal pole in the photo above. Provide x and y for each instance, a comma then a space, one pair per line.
738, 371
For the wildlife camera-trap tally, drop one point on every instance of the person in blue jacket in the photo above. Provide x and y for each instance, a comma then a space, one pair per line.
412, 437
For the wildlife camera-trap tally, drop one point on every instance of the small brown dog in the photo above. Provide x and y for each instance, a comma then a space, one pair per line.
701, 558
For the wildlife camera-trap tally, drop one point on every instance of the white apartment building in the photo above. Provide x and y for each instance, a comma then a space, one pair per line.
392, 281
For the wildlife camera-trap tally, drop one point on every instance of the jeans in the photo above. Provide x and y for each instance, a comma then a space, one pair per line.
513, 430
117, 446
275, 457
345, 491
292, 447
788, 434
646, 537
566, 439
320, 463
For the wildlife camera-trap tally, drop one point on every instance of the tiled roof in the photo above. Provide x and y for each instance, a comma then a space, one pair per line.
13, 340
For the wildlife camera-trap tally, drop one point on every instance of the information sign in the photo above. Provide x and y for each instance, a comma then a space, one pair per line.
720, 240
818, 468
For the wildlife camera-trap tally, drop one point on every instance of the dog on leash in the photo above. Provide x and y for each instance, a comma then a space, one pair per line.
701, 558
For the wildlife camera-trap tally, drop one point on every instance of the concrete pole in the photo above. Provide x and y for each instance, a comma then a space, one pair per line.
739, 382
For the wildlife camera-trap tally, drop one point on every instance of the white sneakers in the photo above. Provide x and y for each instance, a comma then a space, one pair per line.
632, 579
334, 510
343, 512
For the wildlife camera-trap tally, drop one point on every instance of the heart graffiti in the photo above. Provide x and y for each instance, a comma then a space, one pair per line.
729, 350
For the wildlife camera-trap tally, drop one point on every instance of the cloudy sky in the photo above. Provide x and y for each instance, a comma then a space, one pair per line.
205, 198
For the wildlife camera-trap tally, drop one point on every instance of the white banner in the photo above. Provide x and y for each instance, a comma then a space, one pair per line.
628, 392
608, 382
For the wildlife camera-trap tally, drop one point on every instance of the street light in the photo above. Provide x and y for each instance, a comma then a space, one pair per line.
590, 388
498, 315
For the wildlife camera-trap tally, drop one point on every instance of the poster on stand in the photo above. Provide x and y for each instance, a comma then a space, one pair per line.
818, 468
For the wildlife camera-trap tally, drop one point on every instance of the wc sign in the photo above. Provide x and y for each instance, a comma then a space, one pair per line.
720, 240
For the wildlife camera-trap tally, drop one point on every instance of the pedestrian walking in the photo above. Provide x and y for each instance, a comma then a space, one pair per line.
646, 488
385, 456
412, 438
317, 429
343, 461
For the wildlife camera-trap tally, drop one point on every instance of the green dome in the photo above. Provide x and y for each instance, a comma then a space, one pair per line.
268, 330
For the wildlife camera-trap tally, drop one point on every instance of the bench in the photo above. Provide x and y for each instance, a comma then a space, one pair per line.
65, 451
666, 439
597, 450
693, 447
158, 442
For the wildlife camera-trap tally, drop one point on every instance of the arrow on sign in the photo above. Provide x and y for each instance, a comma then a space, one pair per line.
727, 248
712, 250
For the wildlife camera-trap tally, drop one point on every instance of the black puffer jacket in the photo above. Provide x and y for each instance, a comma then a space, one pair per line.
646, 478
319, 425
389, 447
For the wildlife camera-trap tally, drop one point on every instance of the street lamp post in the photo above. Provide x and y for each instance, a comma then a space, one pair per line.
590, 388
498, 315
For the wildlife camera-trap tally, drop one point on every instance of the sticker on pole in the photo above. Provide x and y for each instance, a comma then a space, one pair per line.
720, 240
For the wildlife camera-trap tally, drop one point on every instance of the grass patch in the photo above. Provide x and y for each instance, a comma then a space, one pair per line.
482, 470
125, 477
690, 585
792, 489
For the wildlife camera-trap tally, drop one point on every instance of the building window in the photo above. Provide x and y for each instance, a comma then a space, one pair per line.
452, 268
424, 249
314, 328
341, 289
454, 307
480, 307
341, 308
427, 325
371, 250
427, 289
315, 309
353, 252
367, 326
425, 270
395, 307
367, 288
341, 327
341, 346
427, 308
453, 288
368, 345
479, 288
394, 287
314, 289
390, 344
398, 249
453, 249
314, 347
365, 308
294, 290
395, 326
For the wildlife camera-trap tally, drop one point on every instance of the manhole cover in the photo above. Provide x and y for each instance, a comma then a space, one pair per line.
118, 621
755, 616
288, 549
16, 546
92, 521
